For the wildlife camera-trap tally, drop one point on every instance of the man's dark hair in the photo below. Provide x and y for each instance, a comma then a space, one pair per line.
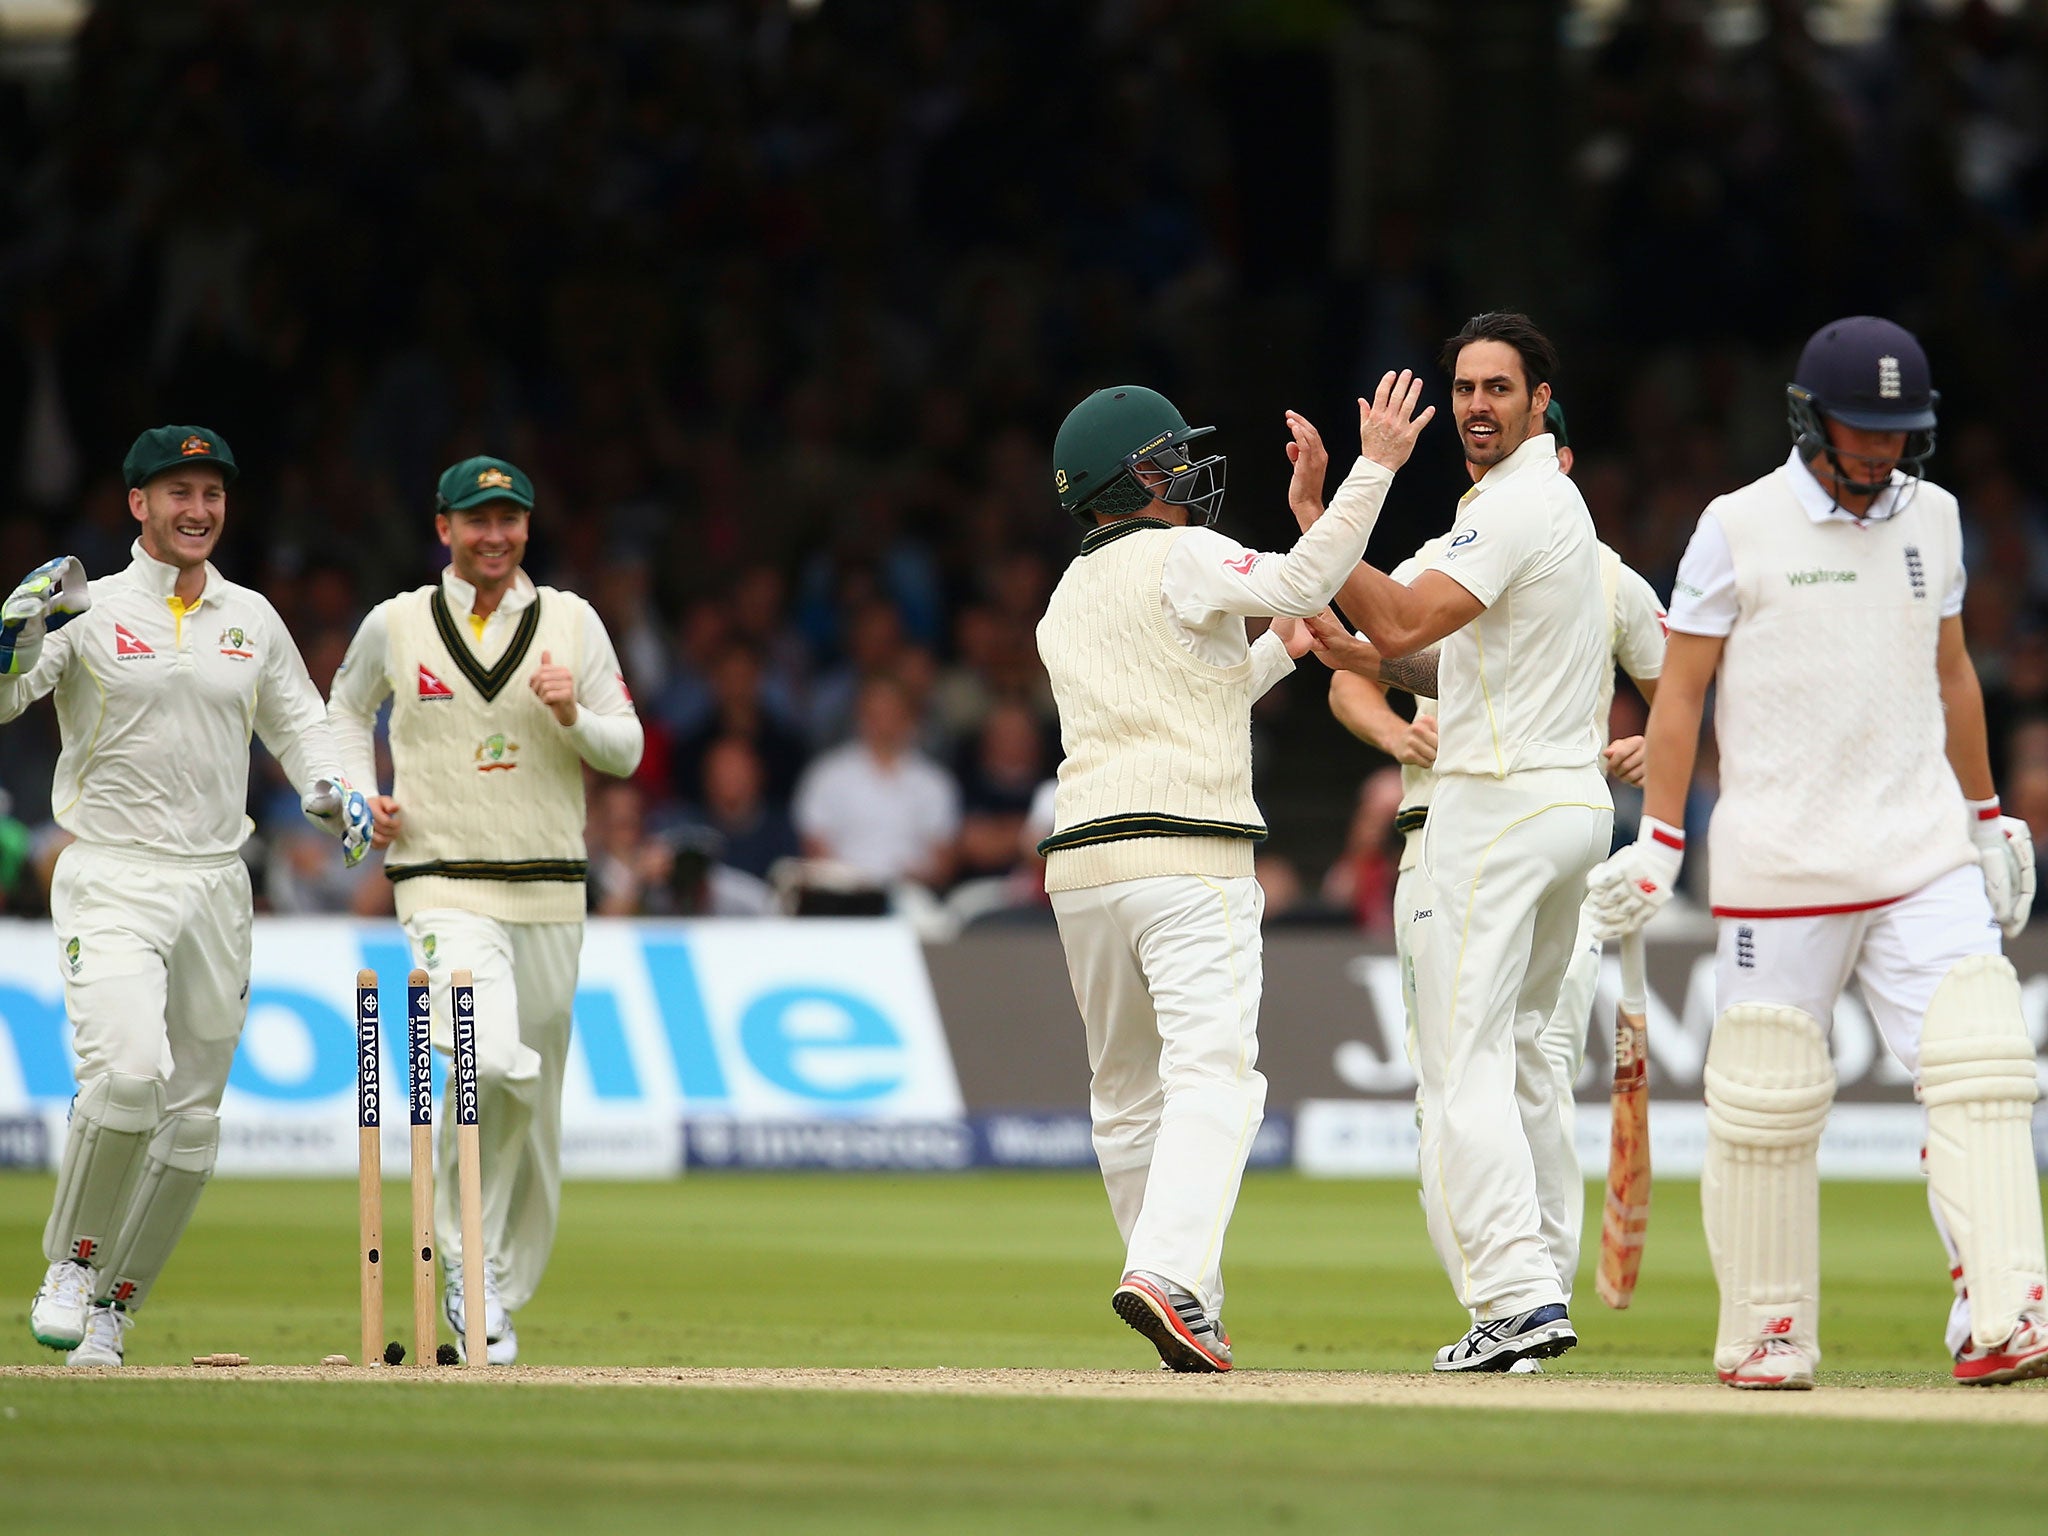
1539, 357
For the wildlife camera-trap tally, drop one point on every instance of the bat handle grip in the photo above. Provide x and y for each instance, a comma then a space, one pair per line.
1634, 987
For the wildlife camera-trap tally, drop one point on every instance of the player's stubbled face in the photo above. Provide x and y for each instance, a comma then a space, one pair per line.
1868, 456
182, 514
1490, 401
486, 543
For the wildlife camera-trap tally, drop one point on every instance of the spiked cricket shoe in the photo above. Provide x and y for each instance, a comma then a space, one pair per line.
1775, 1365
2020, 1358
106, 1332
1187, 1338
57, 1316
1497, 1343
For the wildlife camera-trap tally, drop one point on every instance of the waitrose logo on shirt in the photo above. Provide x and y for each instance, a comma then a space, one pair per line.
1818, 577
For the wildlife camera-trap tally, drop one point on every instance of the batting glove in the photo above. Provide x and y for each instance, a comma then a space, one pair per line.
2005, 849
341, 812
49, 597
1626, 891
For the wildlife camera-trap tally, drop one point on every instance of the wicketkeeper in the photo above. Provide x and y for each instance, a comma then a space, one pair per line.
1857, 834
160, 673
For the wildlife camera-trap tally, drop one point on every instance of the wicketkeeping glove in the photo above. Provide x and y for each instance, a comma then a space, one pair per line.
2005, 849
341, 812
1627, 890
49, 597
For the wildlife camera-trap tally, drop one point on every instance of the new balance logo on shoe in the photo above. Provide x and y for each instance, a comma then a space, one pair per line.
1777, 1327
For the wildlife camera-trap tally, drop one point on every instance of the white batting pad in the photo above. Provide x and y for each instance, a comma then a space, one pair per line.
1977, 1081
111, 1122
179, 1163
1769, 1082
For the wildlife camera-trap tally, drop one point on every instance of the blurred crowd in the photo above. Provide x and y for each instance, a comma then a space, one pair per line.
779, 307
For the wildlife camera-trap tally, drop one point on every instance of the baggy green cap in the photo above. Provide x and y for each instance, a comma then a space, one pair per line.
1553, 423
161, 448
483, 478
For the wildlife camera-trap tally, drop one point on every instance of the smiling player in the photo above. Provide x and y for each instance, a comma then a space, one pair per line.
160, 673
501, 691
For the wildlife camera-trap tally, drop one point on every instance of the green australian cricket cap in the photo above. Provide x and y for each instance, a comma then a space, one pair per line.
1553, 423
483, 478
162, 448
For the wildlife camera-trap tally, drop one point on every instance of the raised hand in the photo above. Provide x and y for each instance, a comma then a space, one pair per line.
555, 686
1311, 461
1387, 423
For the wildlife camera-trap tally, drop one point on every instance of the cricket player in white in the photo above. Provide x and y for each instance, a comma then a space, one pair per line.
1521, 812
501, 691
1857, 833
1149, 864
161, 672
1548, 1062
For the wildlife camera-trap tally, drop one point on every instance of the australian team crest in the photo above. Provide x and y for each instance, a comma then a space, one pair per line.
430, 950
234, 641
71, 955
496, 753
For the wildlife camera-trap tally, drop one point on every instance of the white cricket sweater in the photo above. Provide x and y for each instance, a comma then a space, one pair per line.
490, 782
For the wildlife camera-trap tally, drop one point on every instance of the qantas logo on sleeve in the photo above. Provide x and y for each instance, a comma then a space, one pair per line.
431, 687
126, 646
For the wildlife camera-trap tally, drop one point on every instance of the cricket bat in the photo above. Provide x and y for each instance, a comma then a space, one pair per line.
1627, 1214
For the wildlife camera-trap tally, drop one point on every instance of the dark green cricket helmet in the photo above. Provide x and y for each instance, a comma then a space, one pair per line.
1113, 445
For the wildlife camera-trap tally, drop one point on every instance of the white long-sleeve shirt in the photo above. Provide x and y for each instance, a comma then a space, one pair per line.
1210, 578
156, 702
607, 732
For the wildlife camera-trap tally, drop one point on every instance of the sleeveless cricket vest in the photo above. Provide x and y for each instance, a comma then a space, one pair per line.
1157, 778
490, 784
1836, 791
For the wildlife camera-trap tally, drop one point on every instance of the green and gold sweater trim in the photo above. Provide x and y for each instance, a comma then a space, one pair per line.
1116, 829
1109, 533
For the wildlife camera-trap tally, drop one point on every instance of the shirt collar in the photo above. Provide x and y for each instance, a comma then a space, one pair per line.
462, 596
160, 578
1536, 449
1815, 500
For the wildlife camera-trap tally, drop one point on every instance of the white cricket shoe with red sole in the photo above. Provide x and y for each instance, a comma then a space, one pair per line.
1775, 1365
1187, 1338
2020, 1358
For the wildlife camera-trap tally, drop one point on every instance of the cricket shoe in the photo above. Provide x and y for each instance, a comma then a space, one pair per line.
1498, 1342
1775, 1365
501, 1342
1187, 1338
2020, 1358
57, 1317
1526, 1366
106, 1332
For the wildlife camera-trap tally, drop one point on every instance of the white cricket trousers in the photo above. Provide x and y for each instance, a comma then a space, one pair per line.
1547, 1065
1505, 864
1166, 973
525, 978
154, 952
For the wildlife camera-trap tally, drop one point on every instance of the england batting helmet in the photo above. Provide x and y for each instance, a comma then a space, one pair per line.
1868, 373
1124, 445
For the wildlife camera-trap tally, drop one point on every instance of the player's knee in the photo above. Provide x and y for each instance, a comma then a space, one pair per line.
121, 1101
187, 1141
1974, 1045
1769, 1078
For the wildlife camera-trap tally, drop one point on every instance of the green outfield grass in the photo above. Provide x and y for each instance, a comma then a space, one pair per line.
986, 1270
